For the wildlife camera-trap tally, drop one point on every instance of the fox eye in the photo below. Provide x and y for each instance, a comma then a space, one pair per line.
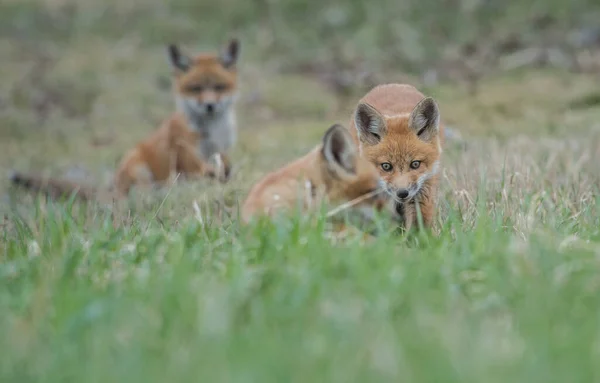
415, 164
195, 88
220, 87
387, 167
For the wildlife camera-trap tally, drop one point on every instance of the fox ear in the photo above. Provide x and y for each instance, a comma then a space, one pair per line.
230, 54
177, 59
369, 124
339, 151
424, 120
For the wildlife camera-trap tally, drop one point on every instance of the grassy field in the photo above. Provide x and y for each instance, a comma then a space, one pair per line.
505, 289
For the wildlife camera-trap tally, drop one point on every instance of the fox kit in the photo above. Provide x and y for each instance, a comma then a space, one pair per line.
398, 129
59, 188
332, 171
205, 89
203, 125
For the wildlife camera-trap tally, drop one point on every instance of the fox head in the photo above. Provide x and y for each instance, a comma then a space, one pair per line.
347, 175
405, 148
205, 85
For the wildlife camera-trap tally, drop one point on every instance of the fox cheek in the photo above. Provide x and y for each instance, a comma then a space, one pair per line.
385, 178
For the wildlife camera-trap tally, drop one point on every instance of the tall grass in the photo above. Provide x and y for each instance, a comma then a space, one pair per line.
504, 289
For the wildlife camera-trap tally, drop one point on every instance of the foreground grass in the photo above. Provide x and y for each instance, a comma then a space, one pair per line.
507, 289
282, 302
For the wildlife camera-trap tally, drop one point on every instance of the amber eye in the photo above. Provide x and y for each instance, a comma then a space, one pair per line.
387, 167
415, 164
220, 87
195, 88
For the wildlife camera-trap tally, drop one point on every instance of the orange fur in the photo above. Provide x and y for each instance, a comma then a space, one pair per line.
397, 129
203, 126
161, 155
60, 188
331, 172
204, 87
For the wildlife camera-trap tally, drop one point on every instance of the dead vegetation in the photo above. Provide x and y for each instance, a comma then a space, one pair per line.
71, 109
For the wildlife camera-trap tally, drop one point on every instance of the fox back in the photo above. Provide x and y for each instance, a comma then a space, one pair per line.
333, 171
398, 129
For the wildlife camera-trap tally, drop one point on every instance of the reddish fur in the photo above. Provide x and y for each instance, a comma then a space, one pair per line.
163, 154
400, 145
168, 150
289, 184
207, 70
58, 188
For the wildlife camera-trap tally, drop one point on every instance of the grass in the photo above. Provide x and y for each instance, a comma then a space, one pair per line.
282, 302
506, 289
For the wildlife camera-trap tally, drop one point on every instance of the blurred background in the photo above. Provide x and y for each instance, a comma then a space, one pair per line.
82, 80
508, 292
344, 41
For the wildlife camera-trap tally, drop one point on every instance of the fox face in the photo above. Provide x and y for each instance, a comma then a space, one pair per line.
405, 148
347, 175
205, 85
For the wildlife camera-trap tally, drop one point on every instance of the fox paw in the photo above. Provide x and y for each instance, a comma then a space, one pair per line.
222, 167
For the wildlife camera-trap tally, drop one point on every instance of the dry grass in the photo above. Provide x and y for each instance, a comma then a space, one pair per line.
141, 291
520, 134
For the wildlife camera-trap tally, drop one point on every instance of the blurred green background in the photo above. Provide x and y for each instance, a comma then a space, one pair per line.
82, 81
348, 46
160, 291
410, 35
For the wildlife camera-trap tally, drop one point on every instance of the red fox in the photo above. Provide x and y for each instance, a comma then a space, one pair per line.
203, 126
59, 188
398, 129
332, 171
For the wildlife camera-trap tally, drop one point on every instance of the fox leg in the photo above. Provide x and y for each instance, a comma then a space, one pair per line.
143, 177
201, 171
192, 166
407, 213
138, 176
223, 167
411, 218
427, 212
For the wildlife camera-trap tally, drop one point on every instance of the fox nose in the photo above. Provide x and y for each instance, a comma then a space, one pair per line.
402, 193
210, 107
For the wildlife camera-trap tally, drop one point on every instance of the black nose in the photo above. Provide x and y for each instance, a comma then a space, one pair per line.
210, 108
402, 193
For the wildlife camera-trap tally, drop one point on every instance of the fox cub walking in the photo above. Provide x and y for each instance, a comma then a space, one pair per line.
332, 171
398, 129
204, 124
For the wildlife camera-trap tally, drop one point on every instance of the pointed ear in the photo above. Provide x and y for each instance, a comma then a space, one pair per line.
424, 120
370, 124
339, 150
177, 59
230, 54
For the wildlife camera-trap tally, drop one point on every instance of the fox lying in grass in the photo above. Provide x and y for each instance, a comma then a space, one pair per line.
203, 126
61, 188
332, 172
398, 130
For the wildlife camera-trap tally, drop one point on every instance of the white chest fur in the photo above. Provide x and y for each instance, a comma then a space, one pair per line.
218, 134
218, 131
